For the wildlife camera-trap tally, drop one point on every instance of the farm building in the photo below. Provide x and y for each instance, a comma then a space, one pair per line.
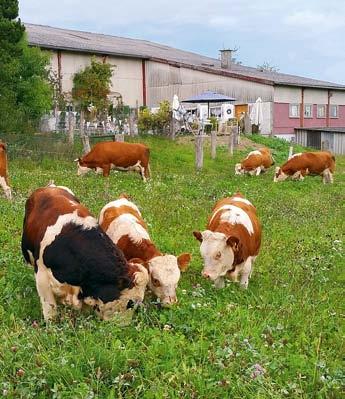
322, 138
146, 73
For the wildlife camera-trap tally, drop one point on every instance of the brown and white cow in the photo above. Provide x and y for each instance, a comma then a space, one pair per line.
75, 262
307, 163
108, 155
122, 221
231, 242
4, 172
256, 162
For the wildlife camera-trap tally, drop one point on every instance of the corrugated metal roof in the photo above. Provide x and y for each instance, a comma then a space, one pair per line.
65, 39
322, 129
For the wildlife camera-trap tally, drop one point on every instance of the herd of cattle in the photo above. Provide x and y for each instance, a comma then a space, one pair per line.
109, 263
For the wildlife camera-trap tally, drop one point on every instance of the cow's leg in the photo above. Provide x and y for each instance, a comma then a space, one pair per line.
330, 176
298, 175
251, 270
258, 171
246, 272
5, 187
106, 170
46, 295
142, 172
327, 176
219, 282
147, 171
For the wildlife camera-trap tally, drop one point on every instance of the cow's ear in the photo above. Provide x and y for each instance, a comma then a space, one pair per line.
234, 243
140, 261
183, 261
197, 235
3, 146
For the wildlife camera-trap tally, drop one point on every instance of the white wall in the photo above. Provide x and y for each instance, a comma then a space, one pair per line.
127, 74
287, 94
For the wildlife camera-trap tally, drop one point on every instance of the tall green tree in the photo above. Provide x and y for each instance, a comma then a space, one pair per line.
91, 88
25, 93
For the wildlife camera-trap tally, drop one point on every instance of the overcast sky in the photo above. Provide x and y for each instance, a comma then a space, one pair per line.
305, 38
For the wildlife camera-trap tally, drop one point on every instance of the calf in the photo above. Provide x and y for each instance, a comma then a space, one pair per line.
256, 162
108, 155
231, 242
4, 172
74, 261
122, 221
308, 163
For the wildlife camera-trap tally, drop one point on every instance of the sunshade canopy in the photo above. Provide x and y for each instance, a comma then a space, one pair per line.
209, 97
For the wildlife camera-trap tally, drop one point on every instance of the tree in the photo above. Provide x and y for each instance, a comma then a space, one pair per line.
266, 66
91, 88
25, 93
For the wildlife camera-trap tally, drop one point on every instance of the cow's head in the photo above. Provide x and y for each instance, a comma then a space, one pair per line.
128, 297
279, 175
238, 169
218, 252
82, 168
165, 273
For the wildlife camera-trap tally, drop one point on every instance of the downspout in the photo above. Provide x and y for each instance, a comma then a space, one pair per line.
301, 116
329, 95
143, 68
59, 71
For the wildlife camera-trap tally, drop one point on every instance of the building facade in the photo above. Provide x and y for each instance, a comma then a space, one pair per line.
146, 73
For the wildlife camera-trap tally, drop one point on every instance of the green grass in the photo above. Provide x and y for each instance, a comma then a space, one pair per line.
288, 321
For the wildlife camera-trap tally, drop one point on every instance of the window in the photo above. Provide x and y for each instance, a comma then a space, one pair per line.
333, 111
321, 111
308, 110
294, 111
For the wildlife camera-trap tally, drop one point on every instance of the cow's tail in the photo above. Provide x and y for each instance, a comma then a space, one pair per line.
125, 195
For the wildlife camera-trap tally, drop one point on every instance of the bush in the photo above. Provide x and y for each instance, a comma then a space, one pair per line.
159, 122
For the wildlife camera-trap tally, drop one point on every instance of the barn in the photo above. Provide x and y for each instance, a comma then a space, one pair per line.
146, 73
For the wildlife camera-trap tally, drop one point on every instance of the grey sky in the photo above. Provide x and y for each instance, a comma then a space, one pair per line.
305, 38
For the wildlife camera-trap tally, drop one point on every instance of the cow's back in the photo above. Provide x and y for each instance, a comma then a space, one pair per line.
42, 209
314, 162
248, 232
117, 153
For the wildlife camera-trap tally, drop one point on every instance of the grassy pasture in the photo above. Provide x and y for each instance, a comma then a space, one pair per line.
282, 338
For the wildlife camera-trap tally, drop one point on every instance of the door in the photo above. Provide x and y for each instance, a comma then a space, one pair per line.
314, 139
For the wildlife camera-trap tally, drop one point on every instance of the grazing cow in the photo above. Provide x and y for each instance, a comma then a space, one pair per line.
4, 171
307, 163
122, 221
256, 162
116, 155
75, 262
231, 242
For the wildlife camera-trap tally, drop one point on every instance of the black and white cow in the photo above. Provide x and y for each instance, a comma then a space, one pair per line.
75, 262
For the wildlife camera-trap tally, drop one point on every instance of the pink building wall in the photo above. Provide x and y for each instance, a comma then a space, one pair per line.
283, 124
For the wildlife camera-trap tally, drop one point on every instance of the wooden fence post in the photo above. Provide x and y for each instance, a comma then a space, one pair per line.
199, 151
172, 127
84, 137
70, 127
231, 142
213, 144
120, 137
290, 152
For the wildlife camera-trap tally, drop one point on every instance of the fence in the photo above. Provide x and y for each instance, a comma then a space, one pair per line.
39, 146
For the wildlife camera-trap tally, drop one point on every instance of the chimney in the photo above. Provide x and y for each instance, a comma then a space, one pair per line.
226, 58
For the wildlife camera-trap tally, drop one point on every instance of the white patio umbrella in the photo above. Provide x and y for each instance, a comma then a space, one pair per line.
256, 114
